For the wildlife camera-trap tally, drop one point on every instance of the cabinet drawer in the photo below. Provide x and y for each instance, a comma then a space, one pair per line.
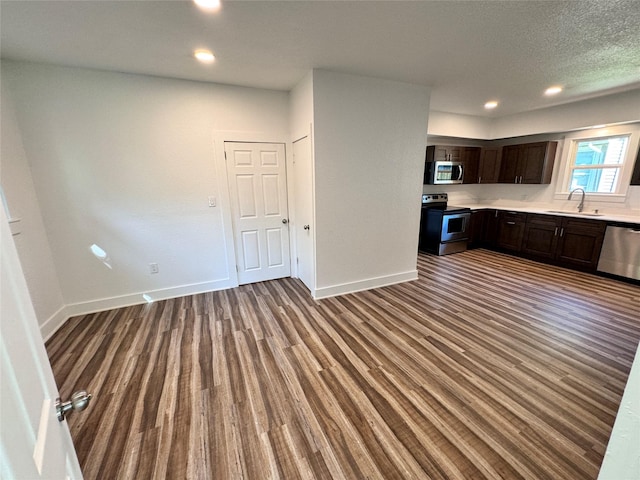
583, 225
511, 216
543, 220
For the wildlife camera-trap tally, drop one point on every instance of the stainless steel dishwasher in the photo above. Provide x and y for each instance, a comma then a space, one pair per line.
620, 253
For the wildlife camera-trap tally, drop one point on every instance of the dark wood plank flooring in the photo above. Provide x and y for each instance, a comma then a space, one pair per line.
488, 366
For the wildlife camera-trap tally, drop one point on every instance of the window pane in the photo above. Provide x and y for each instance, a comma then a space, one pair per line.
603, 151
595, 180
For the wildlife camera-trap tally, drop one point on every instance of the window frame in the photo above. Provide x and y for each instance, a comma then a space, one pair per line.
619, 195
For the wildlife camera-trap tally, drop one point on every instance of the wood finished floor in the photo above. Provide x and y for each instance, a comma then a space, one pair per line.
488, 366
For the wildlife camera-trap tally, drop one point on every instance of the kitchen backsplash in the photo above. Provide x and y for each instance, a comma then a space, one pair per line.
531, 195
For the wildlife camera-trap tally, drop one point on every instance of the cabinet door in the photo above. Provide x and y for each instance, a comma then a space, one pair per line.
489, 165
476, 226
454, 153
536, 162
511, 230
470, 157
490, 227
580, 242
509, 169
541, 235
444, 153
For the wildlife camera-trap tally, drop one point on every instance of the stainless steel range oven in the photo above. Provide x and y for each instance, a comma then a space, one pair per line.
444, 229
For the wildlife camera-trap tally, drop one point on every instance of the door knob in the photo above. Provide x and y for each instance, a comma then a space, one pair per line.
79, 401
285, 220
306, 227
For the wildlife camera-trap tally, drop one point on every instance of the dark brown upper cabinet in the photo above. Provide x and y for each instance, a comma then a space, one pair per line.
528, 163
479, 164
489, 165
470, 158
447, 153
635, 177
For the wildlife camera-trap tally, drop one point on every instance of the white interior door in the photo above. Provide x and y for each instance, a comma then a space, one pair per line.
257, 176
303, 224
33, 443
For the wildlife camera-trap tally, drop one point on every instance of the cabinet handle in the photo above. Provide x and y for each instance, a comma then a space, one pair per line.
496, 215
562, 231
556, 232
479, 179
511, 223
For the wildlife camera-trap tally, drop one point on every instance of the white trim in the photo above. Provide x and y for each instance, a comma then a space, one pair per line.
49, 327
368, 284
621, 456
219, 137
631, 130
53, 323
312, 280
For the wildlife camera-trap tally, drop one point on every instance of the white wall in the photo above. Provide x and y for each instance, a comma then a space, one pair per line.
31, 241
301, 125
370, 138
617, 108
127, 162
457, 125
301, 108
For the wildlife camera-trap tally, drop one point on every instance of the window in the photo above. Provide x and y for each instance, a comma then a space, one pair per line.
596, 164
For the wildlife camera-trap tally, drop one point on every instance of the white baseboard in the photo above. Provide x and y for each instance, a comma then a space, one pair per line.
49, 327
53, 323
369, 283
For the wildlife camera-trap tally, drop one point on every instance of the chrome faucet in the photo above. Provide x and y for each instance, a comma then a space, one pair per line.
581, 204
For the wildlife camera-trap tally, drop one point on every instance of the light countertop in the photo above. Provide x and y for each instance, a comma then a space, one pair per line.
550, 210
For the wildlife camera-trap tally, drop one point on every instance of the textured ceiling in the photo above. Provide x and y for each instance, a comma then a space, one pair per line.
467, 51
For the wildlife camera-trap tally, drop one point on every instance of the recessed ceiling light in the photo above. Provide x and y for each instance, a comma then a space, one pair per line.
491, 105
208, 4
205, 56
553, 90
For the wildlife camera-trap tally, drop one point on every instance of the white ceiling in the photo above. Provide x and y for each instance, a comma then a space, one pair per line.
467, 51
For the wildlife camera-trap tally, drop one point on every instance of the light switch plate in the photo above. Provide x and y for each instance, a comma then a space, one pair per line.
212, 201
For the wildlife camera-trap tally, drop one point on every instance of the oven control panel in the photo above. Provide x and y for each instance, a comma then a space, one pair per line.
434, 198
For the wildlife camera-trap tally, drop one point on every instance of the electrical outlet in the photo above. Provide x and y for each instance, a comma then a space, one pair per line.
212, 201
153, 268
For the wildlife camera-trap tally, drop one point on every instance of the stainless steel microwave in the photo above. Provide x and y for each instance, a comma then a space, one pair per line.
441, 172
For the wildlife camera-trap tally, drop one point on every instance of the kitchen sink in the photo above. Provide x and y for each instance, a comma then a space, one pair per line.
571, 212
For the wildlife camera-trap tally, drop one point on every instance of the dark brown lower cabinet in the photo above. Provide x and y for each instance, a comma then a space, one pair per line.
580, 242
490, 227
510, 231
483, 228
566, 241
476, 228
541, 235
